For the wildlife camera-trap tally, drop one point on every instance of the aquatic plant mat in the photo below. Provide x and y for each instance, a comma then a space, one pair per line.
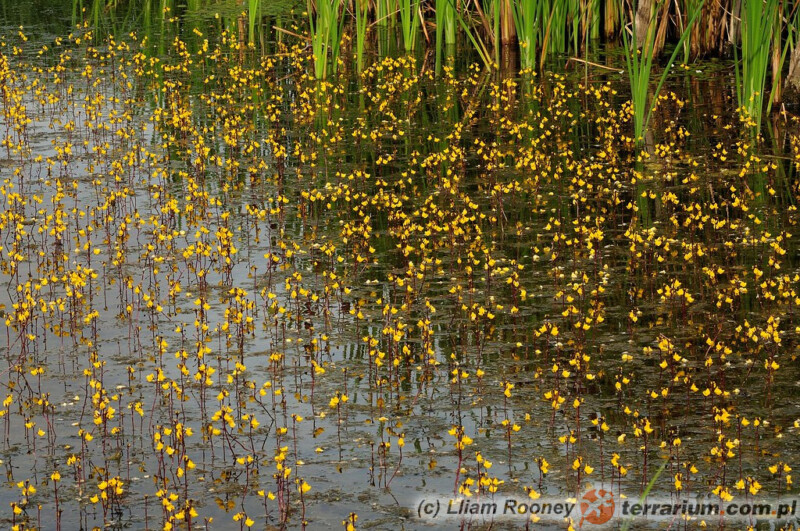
236, 296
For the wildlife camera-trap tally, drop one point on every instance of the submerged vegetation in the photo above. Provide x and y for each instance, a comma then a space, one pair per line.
286, 274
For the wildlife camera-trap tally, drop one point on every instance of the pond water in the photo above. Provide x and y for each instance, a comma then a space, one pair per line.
238, 297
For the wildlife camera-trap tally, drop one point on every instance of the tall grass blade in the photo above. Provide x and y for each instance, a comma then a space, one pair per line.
253, 8
326, 25
410, 22
757, 26
361, 7
527, 21
384, 12
474, 37
646, 492
639, 64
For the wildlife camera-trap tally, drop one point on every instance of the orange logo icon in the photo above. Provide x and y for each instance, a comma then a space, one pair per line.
597, 507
